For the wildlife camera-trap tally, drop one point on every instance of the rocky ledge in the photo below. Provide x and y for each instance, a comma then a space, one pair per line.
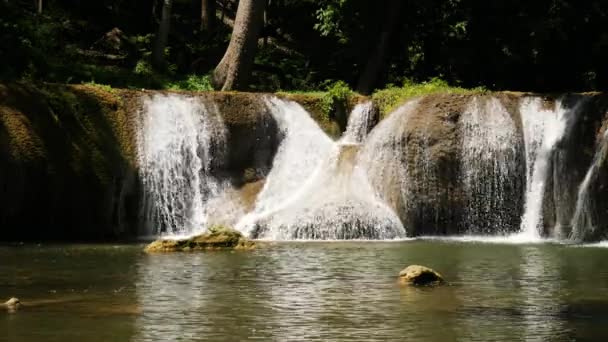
216, 238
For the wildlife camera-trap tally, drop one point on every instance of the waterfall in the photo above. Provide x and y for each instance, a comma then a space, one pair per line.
584, 222
489, 163
315, 189
434, 166
180, 139
299, 155
358, 123
543, 129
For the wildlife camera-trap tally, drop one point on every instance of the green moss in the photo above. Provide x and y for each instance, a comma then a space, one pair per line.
314, 104
216, 237
87, 125
329, 108
103, 87
390, 98
22, 142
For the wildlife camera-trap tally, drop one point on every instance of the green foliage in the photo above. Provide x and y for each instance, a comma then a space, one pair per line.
336, 92
498, 44
329, 18
193, 83
143, 67
103, 87
390, 98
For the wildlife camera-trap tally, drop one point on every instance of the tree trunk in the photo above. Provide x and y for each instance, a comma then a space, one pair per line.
207, 15
375, 63
39, 7
162, 37
234, 69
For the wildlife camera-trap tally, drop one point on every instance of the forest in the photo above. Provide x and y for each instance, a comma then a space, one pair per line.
307, 45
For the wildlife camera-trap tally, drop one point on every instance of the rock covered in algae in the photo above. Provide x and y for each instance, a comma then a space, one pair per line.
217, 237
12, 304
420, 276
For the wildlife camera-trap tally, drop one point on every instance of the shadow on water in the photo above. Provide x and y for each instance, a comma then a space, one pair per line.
69, 293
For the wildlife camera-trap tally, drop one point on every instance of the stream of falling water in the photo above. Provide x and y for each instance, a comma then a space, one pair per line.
584, 222
359, 123
179, 140
489, 165
543, 129
315, 189
360, 186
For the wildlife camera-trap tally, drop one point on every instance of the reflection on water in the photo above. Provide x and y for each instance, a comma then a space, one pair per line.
540, 285
306, 291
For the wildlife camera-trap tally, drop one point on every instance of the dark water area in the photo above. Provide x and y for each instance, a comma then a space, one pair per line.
305, 291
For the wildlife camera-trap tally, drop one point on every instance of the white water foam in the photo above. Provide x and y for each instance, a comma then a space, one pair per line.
315, 190
601, 244
510, 239
178, 141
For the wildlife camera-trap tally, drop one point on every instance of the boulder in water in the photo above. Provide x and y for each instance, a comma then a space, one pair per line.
420, 276
12, 304
217, 237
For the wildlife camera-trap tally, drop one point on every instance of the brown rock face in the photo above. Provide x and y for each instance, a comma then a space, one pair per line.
420, 276
442, 177
418, 165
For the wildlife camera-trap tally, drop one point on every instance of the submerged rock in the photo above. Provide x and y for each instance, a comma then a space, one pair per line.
12, 304
420, 276
217, 237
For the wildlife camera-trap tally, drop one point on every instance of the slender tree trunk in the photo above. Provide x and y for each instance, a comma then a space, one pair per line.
153, 10
375, 63
38, 6
162, 37
223, 10
265, 40
207, 15
234, 69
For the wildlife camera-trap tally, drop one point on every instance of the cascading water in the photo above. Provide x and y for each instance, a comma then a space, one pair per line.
543, 129
584, 222
489, 163
358, 123
315, 190
179, 140
370, 186
384, 158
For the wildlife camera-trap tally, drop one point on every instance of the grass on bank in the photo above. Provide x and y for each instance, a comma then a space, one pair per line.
390, 98
387, 99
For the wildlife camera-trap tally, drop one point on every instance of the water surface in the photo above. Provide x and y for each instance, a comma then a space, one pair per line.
305, 291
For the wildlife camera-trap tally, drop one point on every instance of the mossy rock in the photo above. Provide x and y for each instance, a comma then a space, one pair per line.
216, 238
12, 304
313, 103
420, 276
